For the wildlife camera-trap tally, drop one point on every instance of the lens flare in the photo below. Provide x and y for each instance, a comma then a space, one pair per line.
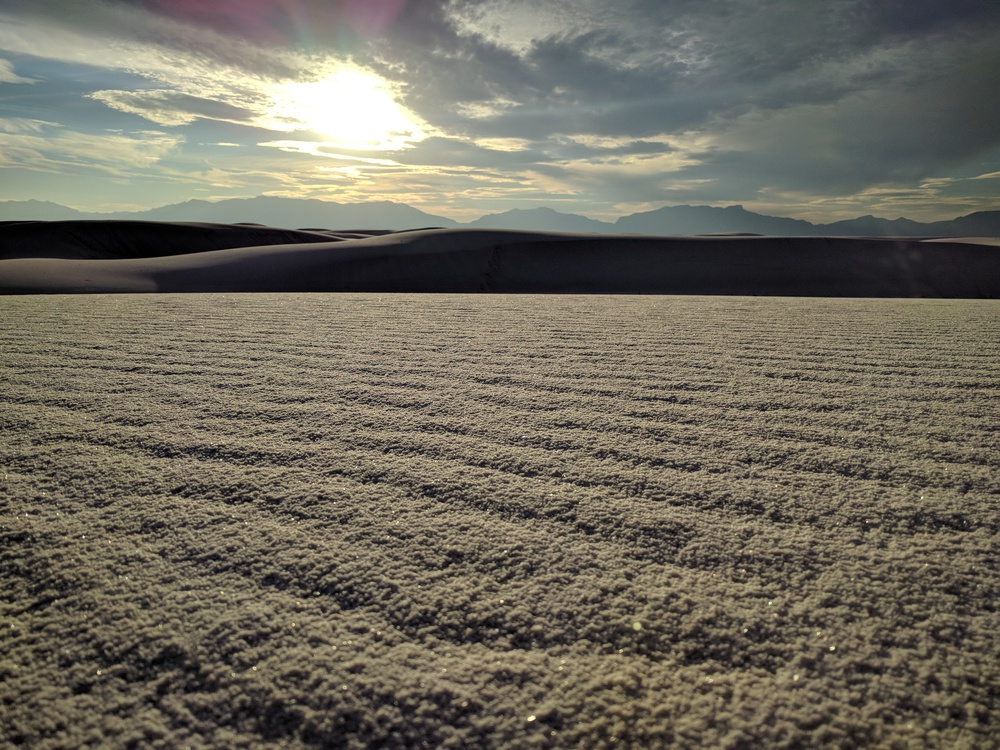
350, 108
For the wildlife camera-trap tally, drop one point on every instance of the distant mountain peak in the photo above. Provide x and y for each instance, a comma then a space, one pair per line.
542, 218
281, 211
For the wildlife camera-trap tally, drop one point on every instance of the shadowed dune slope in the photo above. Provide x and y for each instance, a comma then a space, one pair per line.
470, 260
108, 240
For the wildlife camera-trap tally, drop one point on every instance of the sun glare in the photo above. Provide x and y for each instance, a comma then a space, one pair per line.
350, 108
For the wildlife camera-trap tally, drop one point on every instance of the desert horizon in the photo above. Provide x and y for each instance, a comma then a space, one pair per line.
682, 219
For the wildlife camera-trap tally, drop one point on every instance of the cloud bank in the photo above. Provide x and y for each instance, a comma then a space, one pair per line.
820, 110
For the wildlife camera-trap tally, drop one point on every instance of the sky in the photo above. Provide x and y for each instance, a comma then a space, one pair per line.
815, 109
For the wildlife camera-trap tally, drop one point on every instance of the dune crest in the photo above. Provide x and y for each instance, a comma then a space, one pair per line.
110, 257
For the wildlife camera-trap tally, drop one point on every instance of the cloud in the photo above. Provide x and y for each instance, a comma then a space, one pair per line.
194, 72
24, 126
786, 96
127, 36
627, 103
7, 74
325, 150
187, 72
916, 17
46, 147
927, 122
172, 107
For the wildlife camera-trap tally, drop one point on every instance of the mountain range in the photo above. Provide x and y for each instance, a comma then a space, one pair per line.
311, 213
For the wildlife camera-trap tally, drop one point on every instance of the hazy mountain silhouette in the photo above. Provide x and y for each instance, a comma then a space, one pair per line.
978, 224
39, 211
304, 213
294, 213
273, 211
707, 220
542, 220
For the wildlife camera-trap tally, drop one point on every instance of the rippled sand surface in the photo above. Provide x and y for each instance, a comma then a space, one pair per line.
484, 521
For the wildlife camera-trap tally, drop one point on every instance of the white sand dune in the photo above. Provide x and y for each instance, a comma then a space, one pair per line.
141, 239
150, 257
990, 241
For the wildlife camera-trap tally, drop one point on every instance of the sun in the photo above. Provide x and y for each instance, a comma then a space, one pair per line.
350, 108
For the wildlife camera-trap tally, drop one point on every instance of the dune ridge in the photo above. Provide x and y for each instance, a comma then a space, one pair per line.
109, 257
121, 240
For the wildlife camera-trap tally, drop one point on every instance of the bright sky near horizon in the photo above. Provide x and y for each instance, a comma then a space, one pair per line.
822, 110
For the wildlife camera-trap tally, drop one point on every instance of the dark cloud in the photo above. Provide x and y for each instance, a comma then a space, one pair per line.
846, 94
662, 67
759, 97
917, 17
889, 136
458, 152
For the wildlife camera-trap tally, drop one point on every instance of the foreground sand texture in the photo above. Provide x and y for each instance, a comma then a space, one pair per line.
132, 256
498, 521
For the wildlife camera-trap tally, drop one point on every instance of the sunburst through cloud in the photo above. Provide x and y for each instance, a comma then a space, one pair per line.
351, 108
